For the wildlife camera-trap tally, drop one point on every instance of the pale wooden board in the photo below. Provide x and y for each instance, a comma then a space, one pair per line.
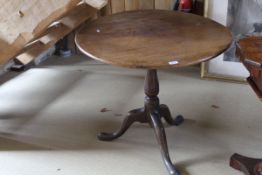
131, 5
24, 17
147, 4
117, 6
164, 4
22, 21
80, 14
138, 4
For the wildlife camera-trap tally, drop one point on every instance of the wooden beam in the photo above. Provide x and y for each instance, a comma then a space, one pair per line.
117, 6
22, 21
53, 34
138, 4
164, 4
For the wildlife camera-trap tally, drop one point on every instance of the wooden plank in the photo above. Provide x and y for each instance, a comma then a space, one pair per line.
107, 10
28, 20
164, 4
18, 29
131, 5
147, 4
117, 6
138, 4
67, 24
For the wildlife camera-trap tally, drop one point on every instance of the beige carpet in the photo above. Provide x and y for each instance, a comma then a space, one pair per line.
50, 116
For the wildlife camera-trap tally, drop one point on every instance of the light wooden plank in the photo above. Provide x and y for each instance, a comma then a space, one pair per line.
17, 29
131, 5
164, 4
147, 4
117, 6
138, 4
26, 20
55, 33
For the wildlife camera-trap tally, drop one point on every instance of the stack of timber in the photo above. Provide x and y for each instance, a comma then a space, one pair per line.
28, 28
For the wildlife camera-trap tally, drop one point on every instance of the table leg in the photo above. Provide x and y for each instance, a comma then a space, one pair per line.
137, 115
161, 138
165, 112
151, 113
248, 166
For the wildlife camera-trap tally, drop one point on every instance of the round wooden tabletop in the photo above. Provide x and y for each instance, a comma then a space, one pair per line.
153, 39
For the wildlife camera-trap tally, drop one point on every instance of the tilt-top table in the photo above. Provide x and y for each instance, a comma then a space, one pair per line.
152, 39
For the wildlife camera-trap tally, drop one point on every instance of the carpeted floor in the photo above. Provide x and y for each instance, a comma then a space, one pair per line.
50, 116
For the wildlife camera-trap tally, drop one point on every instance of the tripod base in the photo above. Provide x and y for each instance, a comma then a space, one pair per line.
142, 116
151, 113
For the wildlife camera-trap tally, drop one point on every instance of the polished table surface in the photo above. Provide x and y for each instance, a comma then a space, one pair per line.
153, 39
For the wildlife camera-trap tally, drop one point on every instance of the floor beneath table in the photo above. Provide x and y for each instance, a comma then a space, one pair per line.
50, 116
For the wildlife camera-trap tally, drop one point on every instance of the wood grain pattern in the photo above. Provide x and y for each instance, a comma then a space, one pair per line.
250, 52
18, 30
147, 4
23, 21
139, 4
153, 39
164, 4
117, 6
53, 34
131, 5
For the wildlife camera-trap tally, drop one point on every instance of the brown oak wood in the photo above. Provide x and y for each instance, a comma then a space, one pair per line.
117, 6
151, 113
249, 166
250, 52
153, 39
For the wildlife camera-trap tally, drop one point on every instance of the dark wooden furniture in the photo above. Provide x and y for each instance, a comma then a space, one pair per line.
250, 52
249, 166
152, 39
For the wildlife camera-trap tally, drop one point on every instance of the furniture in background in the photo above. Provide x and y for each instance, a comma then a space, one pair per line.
247, 165
250, 52
152, 39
